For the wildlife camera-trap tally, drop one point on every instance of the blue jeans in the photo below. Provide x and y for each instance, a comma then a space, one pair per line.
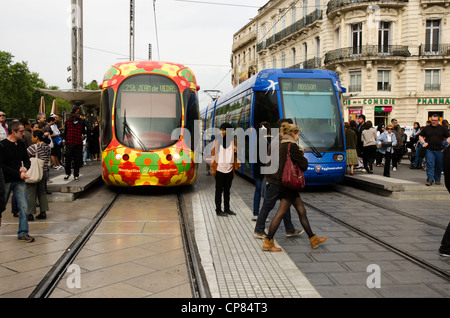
259, 185
19, 189
435, 162
418, 160
271, 198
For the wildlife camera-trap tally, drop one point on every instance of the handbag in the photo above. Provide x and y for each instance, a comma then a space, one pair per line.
293, 177
36, 170
58, 140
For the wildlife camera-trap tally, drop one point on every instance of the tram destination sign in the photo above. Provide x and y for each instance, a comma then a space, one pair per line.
150, 88
306, 85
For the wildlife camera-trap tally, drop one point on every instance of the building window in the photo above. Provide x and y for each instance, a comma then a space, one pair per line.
337, 38
305, 52
283, 60
294, 18
274, 62
356, 38
293, 56
432, 80
355, 81
432, 34
384, 37
384, 80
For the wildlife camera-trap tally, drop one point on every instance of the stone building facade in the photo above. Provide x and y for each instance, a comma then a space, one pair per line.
391, 55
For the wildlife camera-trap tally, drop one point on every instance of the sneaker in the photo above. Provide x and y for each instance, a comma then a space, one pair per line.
444, 254
230, 212
437, 182
295, 233
260, 235
66, 177
26, 238
394, 169
254, 218
429, 182
76, 178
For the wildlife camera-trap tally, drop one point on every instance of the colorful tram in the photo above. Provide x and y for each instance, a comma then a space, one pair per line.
147, 109
311, 98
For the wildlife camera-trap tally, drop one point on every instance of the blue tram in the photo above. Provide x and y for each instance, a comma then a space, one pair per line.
307, 96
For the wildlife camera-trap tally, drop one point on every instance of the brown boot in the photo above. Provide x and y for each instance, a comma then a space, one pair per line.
315, 240
269, 245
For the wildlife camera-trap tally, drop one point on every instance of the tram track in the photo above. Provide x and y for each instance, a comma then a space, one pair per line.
198, 283
442, 273
51, 279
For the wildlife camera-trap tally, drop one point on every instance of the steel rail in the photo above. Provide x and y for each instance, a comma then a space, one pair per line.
199, 285
51, 279
412, 258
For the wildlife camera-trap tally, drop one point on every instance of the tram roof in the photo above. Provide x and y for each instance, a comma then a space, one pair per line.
258, 82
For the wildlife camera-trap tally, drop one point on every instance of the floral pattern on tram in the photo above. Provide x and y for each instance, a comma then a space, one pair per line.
171, 166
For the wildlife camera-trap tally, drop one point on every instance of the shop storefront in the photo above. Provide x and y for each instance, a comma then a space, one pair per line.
378, 110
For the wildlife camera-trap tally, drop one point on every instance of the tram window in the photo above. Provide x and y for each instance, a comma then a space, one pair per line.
266, 109
107, 101
148, 109
191, 113
313, 106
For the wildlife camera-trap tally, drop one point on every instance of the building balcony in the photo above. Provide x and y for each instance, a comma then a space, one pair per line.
434, 51
243, 41
335, 6
315, 62
426, 3
366, 52
290, 31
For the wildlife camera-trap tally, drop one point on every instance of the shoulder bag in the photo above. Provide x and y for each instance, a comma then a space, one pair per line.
293, 177
36, 170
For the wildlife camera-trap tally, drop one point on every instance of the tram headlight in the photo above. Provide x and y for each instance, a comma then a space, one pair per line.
338, 157
176, 157
118, 157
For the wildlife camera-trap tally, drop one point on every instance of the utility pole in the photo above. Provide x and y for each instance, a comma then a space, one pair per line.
77, 43
132, 26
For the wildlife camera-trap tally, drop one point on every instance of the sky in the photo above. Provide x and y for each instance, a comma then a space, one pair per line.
198, 34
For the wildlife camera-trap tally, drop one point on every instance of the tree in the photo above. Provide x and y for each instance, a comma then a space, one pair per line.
15, 86
18, 96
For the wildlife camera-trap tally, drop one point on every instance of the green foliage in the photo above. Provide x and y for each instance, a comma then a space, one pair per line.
18, 96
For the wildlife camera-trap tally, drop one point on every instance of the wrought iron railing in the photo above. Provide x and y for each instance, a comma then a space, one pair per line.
336, 4
434, 50
366, 51
295, 27
315, 62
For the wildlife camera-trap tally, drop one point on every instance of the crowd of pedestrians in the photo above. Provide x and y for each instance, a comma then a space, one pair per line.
48, 141
223, 163
372, 145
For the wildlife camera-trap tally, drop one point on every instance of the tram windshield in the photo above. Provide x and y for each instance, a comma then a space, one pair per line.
148, 109
313, 106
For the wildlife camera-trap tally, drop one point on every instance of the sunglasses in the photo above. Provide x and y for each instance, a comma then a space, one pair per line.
388, 128
2, 115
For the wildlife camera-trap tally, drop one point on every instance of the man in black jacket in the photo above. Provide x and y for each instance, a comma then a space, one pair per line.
15, 164
444, 250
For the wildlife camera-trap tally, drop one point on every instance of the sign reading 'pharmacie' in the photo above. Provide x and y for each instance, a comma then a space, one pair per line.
434, 101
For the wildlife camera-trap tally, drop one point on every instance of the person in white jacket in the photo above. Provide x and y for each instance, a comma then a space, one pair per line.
386, 142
